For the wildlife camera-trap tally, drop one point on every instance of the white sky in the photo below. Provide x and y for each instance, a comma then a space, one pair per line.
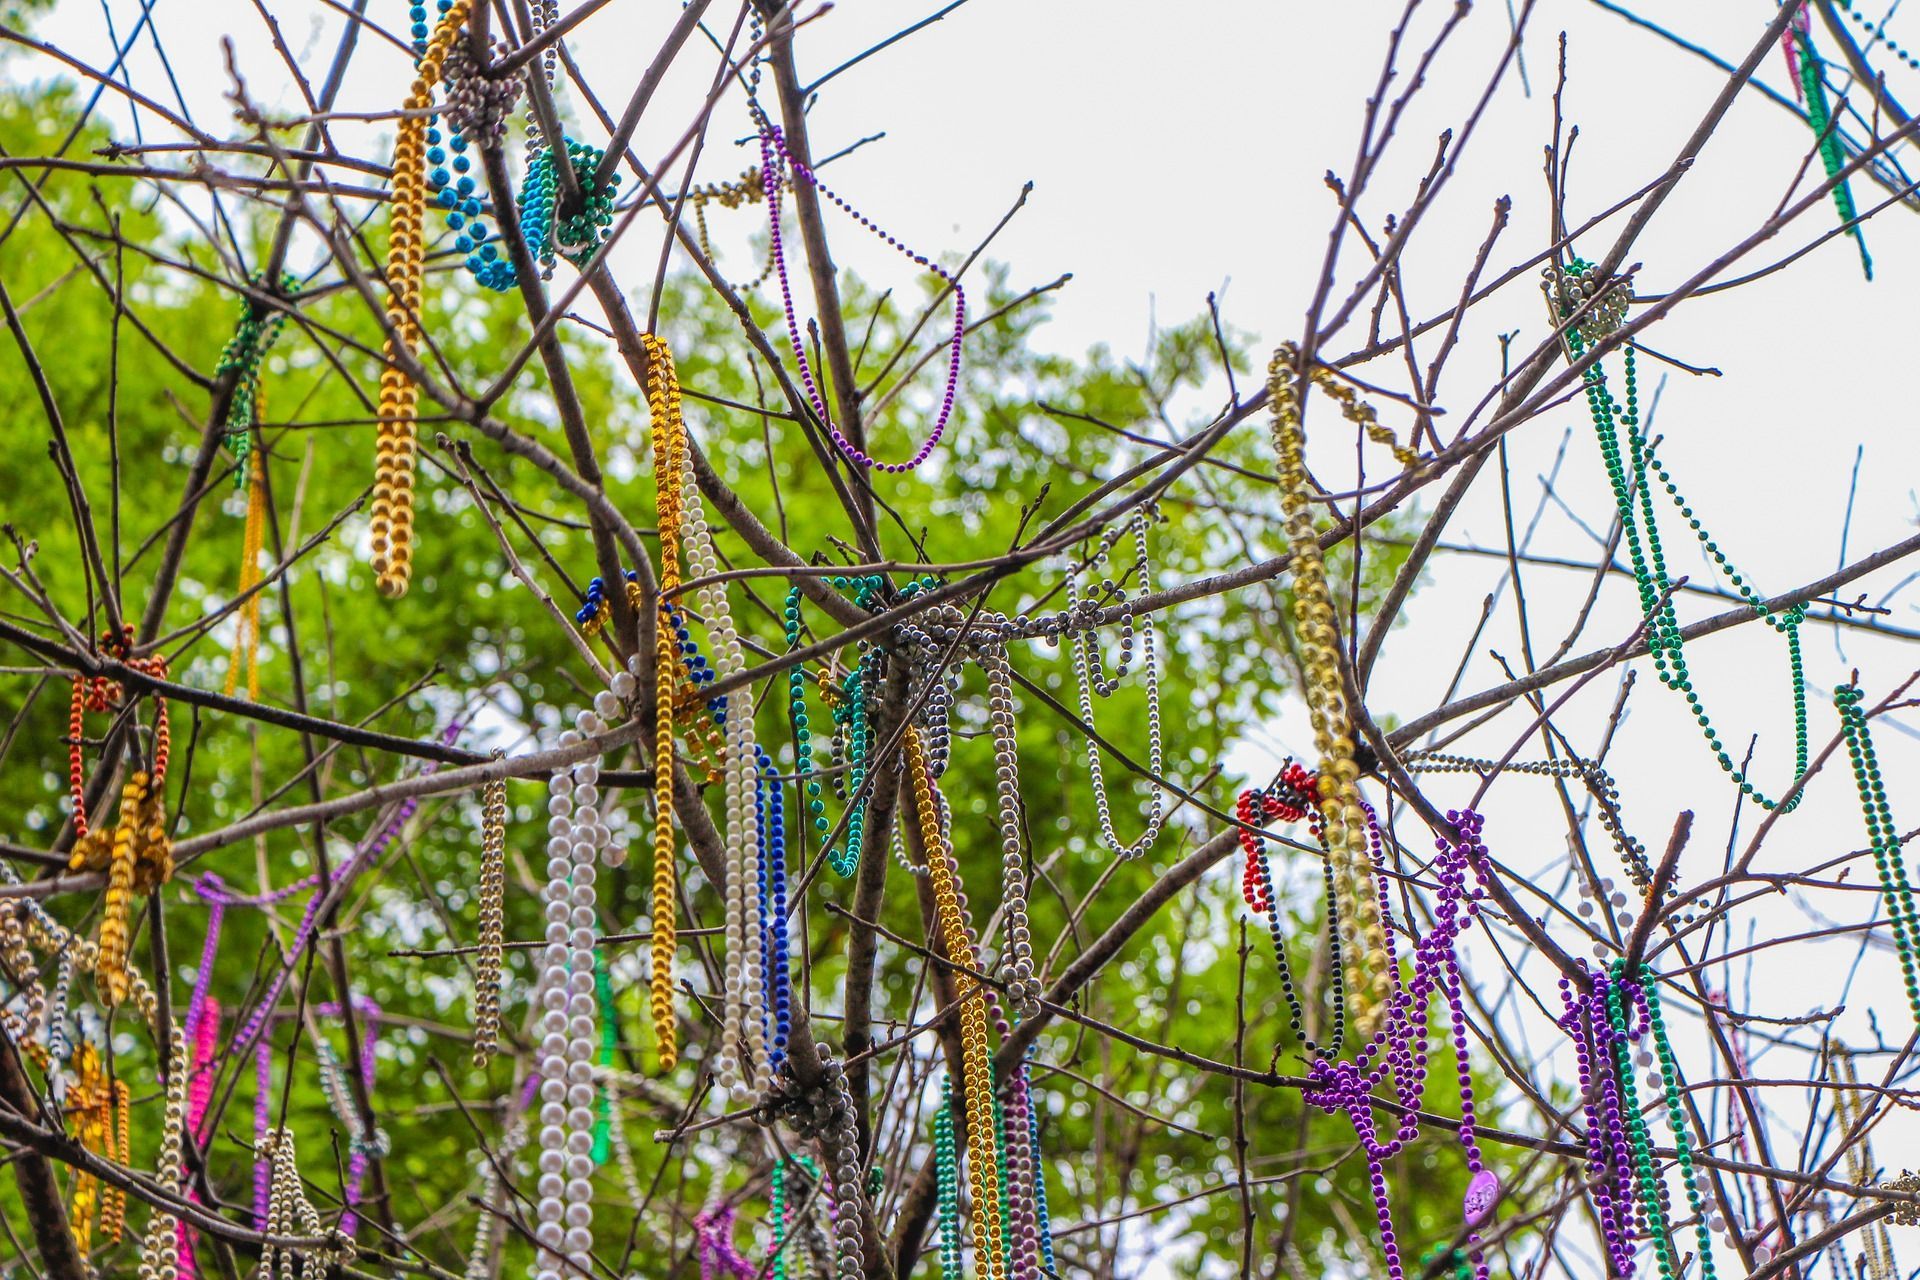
1178, 149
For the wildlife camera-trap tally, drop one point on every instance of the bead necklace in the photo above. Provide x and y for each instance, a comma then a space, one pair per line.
392, 512
1021, 1211
669, 462
775, 957
976, 1056
1876, 1245
749, 189
493, 889
575, 237
1579, 285
253, 336
783, 1209
826, 1115
1610, 1170
775, 163
1290, 799
1091, 678
577, 832
477, 110
1397, 1049
1810, 81
97, 1110
246, 634
1879, 34
480, 1255
848, 702
1315, 631
947, 1181
1883, 839
290, 1213
203, 1033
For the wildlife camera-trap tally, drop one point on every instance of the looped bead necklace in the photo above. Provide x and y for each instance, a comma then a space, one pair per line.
775, 162
1883, 839
1633, 476
1290, 799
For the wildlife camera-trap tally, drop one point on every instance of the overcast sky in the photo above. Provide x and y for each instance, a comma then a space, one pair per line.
1179, 149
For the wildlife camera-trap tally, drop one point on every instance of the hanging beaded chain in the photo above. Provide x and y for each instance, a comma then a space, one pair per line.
290, 1213
203, 1033
776, 162
1090, 674
1878, 34
609, 1045
1883, 839
784, 1210
1020, 1212
96, 1108
246, 634
947, 1181
1289, 799
493, 889
956, 935
363, 1146
1876, 1245
1610, 1172
749, 188
577, 834
1579, 286
576, 236
849, 708
1810, 81
669, 466
399, 409
29, 925
1398, 1048
1314, 628
253, 336
477, 110
775, 953
480, 1255
713, 1240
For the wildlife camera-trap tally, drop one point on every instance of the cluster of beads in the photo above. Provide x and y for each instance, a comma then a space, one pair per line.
1090, 673
1634, 476
104, 693
784, 1209
749, 189
713, 1240
775, 161
137, 858
493, 888
947, 1182
1398, 1049
548, 231
253, 336
1810, 80
1593, 304
848, 702
96, 1108
1317, 637
290, 1213
203, 1033
399, 407
826, 1115
1883, 839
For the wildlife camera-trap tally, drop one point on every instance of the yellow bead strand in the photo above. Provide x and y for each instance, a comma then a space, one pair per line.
392, 523
1356, 890
669, 459
111, 973
113, 1207
976, 1055
246, 637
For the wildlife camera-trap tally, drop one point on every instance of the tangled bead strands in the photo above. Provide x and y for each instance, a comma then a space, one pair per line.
1091, 678
493, 885
775, 161
1633, 475
1338, 776
1883, 840
1290, 800
1810, 81
392, 512
1876, 1244
669, 465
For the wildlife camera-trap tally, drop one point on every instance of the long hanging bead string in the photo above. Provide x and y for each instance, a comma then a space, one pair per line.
775, 958
1883, 839
1810, 77
289, 1213
975, 1053
399, 408
1611, 1172
1091, 678
203, 1032
1024, 1200
775, 163
1568, 290
90, 1104
1398, 1047
1314, 629
849, 702
479, 1256
493, 888
253, 336
246, 635
669, 464
749, 189
947, 1182
104, 693
477, 110
1878, 34
784, 1209
159, 1247
1876, 1244
362, 1146
1290, 799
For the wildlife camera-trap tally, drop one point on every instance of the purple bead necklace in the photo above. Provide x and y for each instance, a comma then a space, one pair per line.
774, 162
1398, 1050
1610, 1165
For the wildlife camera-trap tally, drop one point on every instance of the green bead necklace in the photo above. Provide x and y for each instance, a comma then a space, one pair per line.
1833, 157
849, 709
253, 336
947, 1168
1632, 475
777, 1207
1883, 838
609, 1041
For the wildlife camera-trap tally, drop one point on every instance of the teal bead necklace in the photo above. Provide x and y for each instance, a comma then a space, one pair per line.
1878, 34
1632, 476
1883, 838
781, 1212
947, 1169
1833, 157
849, 710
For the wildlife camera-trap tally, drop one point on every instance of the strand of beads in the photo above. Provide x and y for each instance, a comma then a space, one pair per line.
493, 889
1595, 308
399, 408
1883, 839
745, 1064
550, 234
90, 1103
1810, 72
104, 693
203, 1033
480, 1255
749, 189
1016, 959
1610, 1179
1878, 34
477, 110
775, 161
246, 634
290, 1213
669, 467
1314, 629
1090, 677
975, 1055
849, 709
1020, 1186
1290, 799
1876, 1245
775, 956
1398, 1048
1042, 1220
947, 1182
253, 336
576, 835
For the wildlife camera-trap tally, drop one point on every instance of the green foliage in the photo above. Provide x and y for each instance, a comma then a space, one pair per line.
471, 641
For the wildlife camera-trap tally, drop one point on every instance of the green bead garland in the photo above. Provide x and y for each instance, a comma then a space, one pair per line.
253, 336
947, 1168
1883, 839
1652, 1207
1635, 472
